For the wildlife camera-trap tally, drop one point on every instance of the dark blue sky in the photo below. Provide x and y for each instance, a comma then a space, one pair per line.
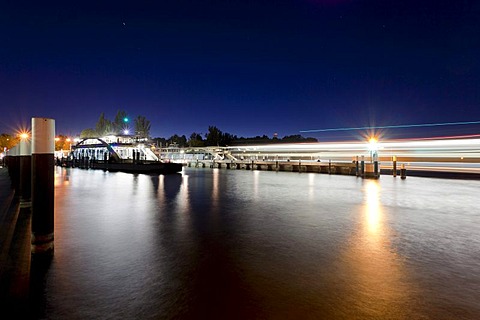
248, 67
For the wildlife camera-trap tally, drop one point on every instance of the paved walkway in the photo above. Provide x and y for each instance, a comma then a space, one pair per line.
14, 250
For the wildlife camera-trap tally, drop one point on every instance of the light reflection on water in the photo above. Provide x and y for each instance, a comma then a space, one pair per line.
255, 244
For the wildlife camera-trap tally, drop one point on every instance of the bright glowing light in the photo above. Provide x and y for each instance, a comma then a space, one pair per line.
68, 140
372, 144
24, 135
57, 139
125, 131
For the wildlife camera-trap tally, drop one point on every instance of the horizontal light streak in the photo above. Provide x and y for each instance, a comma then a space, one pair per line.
461, 154
450, 144
394, 126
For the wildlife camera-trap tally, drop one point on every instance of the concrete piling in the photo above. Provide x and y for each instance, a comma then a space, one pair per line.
362, 167
25, 165
394, 169
43, 162
357, 168
403, 172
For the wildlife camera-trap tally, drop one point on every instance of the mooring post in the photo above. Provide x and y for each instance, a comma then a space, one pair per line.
13, 164
43, 170
362, 167
25, 186
394, 169
329, 166
357, 171
403, 172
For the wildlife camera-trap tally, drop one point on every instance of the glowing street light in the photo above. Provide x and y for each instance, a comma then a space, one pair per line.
373, 148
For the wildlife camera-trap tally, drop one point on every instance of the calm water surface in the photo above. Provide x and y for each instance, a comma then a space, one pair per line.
226, 244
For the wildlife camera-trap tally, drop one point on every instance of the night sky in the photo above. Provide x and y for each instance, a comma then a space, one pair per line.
249, 67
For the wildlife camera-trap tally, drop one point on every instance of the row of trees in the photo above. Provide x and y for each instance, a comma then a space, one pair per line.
8, 141
120, 125
215, 137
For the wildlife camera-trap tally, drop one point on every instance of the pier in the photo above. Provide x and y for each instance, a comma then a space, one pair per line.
290, 166
454, 157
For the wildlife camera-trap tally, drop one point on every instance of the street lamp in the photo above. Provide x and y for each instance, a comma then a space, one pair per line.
373, 148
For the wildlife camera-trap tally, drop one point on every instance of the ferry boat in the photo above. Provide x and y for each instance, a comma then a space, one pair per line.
117, 153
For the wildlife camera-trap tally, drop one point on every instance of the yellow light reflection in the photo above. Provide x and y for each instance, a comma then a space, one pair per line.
215, 189
61, 177
183, 199
161, 187
311, 185
256, 181
373, 266
373, 211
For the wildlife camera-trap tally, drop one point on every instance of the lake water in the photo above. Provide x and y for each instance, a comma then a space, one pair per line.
236, 244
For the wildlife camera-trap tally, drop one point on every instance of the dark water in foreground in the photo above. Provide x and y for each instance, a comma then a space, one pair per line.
225, 244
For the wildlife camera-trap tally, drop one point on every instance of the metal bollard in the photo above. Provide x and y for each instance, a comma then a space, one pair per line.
25, 186
43, 178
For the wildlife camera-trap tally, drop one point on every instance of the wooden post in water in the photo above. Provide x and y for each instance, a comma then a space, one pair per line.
357, 169
403, 172
362, 167
13, 164
43, 147
394, 169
